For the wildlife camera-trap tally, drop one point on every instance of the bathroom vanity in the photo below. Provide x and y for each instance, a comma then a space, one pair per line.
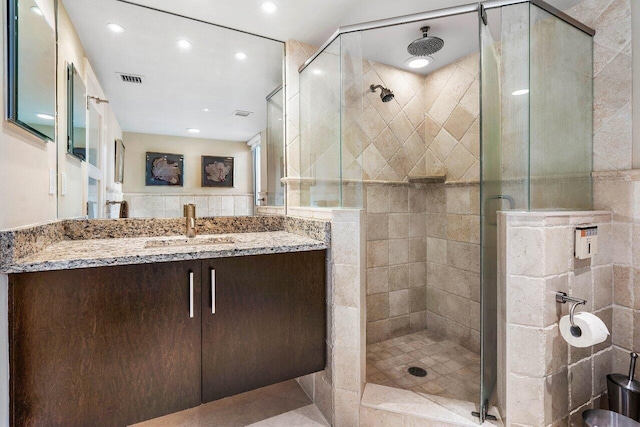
148, 328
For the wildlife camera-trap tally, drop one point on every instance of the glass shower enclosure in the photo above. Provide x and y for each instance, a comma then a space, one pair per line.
536, 143
536, 84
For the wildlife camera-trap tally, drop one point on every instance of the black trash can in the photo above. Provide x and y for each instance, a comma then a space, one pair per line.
604, 418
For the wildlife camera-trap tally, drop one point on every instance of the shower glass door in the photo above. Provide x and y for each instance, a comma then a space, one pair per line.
504, 62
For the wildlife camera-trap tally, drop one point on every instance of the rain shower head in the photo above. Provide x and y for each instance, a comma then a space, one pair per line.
425, 46
385, 94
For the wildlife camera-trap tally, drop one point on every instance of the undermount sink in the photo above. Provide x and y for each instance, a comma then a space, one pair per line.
195, 241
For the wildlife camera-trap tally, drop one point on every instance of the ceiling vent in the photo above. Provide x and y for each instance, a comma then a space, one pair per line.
241, 113
130, 78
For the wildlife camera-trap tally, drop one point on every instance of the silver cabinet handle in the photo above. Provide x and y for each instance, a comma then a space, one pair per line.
213, 291
191, 294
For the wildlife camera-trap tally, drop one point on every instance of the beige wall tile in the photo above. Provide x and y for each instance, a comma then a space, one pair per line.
580, 378
623, 285
346, 285
345, 372
417, 274
459, 122
399, 277
399, 199
399, 326
398, 251
525, 251
377, 280
526, 400
465, 256
399, 225
377, 226
377, 307
437, 250
378, 253
602, 287
399, 303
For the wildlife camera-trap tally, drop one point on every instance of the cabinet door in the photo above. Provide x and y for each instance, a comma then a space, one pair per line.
269, 322
104, 346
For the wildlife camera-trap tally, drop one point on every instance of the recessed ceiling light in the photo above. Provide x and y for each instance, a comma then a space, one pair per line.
184, 44
269, 7
192, 130
37, 11
206, 110
418, 61
317, 71
45, 116
241, 56
116, 28
520, 92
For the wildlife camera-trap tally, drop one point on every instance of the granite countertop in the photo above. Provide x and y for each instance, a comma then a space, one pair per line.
70, 254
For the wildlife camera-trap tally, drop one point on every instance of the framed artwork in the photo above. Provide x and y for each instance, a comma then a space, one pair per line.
119, 172
217, 171
164, 169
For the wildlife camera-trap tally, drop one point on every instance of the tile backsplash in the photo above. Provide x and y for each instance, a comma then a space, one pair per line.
145, 205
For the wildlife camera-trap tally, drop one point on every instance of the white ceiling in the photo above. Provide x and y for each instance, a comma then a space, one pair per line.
179, 84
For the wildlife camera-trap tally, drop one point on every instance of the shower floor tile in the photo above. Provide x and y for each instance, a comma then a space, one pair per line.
452, 371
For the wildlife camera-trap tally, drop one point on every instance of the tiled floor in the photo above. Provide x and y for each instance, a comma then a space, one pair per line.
284, 404
452, 371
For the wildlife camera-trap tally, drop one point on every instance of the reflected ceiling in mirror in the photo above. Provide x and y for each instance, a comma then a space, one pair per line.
32, 85
170, 75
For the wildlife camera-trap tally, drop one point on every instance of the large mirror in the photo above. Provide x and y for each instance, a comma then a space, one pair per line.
31, 67
76, 114
198, 106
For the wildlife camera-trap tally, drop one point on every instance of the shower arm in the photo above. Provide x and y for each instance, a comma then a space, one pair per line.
374, 87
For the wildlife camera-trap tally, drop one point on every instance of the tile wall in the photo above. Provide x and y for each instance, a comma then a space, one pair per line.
612, 146
431, 126
338, 389
620, 192
396, 260
453, 262
170, 205
542, 380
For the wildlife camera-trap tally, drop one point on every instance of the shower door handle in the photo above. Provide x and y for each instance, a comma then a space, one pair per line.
487, 203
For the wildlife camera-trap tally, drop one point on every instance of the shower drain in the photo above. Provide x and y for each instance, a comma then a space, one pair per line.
417, 372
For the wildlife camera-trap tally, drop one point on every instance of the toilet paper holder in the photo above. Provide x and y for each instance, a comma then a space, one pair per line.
563, 298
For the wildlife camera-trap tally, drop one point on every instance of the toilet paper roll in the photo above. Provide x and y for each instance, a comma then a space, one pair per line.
593, 329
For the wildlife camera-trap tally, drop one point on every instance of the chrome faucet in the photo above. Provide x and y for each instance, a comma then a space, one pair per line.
190, 223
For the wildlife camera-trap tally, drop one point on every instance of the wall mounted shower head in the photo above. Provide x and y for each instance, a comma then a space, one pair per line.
425, 46
385, 94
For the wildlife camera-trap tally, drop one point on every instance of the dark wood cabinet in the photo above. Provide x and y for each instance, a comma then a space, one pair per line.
112, 346
269, 321
104, 346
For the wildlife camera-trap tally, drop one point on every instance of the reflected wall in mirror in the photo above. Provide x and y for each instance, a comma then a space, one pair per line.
31, 67
76, 114
175, 85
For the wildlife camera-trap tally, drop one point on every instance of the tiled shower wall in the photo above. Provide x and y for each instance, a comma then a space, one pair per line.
426, 130
453, 262
542, 380
396, 260
431, 127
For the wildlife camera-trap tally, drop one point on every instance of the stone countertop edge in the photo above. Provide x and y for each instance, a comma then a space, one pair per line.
21, 244
65, 255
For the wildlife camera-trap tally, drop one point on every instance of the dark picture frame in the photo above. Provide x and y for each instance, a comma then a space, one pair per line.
164, 169
217, 171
